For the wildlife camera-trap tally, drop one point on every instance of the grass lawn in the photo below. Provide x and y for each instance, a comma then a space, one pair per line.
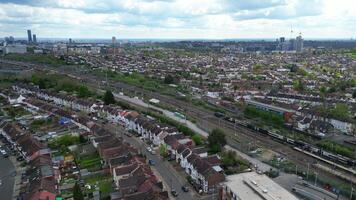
92, 161
14, 112
41, 123
37, 58
103, 182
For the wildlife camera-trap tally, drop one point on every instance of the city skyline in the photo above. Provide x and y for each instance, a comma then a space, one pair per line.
179, 19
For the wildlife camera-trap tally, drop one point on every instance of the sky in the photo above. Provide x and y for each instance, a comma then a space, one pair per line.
178, 19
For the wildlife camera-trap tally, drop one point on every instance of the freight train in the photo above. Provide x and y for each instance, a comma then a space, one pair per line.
295, 143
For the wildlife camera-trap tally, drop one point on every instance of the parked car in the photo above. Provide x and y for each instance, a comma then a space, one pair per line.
174, 193
20, 158
151, 162
185, 188
4, 153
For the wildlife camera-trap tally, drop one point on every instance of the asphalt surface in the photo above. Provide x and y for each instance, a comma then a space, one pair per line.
7, 178
171, 178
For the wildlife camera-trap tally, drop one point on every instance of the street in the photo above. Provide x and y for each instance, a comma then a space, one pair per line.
7, 178
170, 176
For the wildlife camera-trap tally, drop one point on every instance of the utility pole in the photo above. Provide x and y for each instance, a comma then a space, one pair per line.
352, 189
316, 178
308, 171
296, 170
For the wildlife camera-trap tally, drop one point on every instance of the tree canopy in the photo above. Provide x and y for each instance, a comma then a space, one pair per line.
216, 140
168, 79
109, 98
77, 192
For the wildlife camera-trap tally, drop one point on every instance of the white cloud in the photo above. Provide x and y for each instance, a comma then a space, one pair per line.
178, 18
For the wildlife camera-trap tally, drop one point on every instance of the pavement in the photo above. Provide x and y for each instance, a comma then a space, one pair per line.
7, 178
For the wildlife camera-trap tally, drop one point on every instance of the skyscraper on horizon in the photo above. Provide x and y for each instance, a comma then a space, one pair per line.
113, 40
29, 36
299, 43
34, 38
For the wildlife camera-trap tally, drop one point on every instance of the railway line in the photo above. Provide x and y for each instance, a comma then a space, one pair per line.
234, 132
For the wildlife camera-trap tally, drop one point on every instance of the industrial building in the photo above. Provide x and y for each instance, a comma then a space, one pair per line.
251, 185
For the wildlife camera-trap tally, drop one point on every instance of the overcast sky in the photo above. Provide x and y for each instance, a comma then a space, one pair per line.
180, 19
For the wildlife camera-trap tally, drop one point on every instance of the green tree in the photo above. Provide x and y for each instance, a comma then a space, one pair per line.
83, 91
109, 98
216, 140
41, 84
354, 94
77, 192
340, 111
298, 85
163, 150
168, 79
197, 139
229, 159
82, 139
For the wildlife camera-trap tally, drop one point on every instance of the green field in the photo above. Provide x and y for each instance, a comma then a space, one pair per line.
36, 58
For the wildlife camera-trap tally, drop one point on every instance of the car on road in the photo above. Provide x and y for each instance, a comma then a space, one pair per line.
149, 149
185, 188
174, 193
20, 158
4, 153
151, 162
153, 152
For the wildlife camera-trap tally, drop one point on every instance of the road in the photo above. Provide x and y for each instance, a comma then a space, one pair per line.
7, 178
204, 117
172, 179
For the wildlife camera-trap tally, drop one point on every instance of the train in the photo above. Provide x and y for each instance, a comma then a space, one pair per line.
337, 158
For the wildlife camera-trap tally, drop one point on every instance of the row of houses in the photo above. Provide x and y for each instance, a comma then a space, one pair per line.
344, 126
41, 182
204, 170
110, 113
206, 177
132, 176
305, 119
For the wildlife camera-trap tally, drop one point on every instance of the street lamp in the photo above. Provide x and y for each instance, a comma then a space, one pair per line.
316, 178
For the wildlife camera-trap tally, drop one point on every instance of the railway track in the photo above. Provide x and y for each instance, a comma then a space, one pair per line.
208, 116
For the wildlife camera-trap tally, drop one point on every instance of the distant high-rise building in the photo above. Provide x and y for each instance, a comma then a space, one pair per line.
299, 43
9, 40
282, 39
113, 40
29, 35
34, 38
70, 40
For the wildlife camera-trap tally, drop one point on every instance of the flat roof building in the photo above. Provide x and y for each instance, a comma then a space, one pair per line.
253, 186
